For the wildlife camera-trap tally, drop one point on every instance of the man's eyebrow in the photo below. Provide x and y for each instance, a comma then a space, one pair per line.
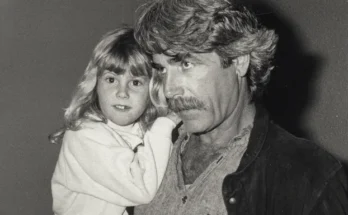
172, 60
185, 56
156, 65
178, 58
194, 58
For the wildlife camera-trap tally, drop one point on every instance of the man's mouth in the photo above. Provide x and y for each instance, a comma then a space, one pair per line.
188, 114
184, 110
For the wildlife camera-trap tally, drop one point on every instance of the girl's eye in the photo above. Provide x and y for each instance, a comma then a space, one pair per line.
137, 83
186, 65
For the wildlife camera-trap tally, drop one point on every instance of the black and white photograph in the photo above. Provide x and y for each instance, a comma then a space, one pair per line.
174, 107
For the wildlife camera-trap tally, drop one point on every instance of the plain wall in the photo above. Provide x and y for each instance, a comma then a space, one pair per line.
308, 92
45, 46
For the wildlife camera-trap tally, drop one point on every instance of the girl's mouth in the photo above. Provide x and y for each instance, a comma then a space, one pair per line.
122, 107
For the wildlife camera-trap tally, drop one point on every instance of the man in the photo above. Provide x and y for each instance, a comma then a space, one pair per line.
212, 61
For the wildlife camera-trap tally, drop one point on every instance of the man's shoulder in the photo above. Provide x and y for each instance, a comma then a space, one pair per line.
298, 154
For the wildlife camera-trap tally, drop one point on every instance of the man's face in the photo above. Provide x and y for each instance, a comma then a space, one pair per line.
198, 89
122, 98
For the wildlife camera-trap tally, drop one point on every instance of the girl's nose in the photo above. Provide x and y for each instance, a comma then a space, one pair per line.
122, 92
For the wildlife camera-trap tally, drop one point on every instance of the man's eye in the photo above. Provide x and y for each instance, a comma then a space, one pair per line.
159, 69
186, 65
110, 80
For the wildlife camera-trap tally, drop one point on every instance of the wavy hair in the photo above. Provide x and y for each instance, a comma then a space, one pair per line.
157, 96
201, 26
119, 52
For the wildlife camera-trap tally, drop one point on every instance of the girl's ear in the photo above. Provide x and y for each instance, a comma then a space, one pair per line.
241, 64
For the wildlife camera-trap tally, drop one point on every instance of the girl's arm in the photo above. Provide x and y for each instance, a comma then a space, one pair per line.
160, 139
96, 162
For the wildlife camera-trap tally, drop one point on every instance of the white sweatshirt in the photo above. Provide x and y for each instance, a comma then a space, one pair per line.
98, 173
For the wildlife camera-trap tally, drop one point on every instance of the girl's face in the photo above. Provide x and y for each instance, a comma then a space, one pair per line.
122, 98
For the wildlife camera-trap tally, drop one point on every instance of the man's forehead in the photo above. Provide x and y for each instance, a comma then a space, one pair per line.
169, 59
161, 58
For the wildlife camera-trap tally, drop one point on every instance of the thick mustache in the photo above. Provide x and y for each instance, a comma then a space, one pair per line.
181, 104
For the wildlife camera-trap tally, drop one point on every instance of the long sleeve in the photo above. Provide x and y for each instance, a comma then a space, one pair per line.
98, 162
160, 139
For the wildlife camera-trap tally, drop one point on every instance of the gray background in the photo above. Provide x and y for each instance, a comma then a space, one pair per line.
45, 46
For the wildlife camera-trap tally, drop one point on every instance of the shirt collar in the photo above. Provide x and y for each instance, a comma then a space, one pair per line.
257, 138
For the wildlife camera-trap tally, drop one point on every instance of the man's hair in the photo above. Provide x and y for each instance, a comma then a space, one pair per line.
117, 51
201, 26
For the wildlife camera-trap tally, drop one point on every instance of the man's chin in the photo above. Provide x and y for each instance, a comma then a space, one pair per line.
193, 129
193, 126
193, 120
191, 114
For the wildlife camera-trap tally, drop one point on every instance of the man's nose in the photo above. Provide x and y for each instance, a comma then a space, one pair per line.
122, 91
173, 84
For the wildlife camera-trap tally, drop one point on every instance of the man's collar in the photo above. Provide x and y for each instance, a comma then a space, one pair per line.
257, 137
256, 140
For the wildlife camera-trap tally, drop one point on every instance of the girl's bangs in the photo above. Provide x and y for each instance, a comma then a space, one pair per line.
136, 63
139, 64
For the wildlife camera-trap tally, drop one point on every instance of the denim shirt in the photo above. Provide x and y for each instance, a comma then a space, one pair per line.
278, 174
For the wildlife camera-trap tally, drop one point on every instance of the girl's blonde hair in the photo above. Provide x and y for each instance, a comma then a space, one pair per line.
157, 96
117, 51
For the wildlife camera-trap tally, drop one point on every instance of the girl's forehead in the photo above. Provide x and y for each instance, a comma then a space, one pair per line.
123, 72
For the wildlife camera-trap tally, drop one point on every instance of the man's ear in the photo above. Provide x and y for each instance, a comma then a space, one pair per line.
241, 64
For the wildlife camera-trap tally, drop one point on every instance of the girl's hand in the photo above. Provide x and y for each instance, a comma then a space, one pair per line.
174, 117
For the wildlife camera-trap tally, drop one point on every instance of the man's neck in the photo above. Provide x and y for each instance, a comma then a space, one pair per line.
202, 149
242, 116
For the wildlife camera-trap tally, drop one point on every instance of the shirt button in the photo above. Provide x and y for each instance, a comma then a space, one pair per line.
232, 201
183, 199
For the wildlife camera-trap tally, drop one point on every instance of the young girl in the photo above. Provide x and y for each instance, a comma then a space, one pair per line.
106, 163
